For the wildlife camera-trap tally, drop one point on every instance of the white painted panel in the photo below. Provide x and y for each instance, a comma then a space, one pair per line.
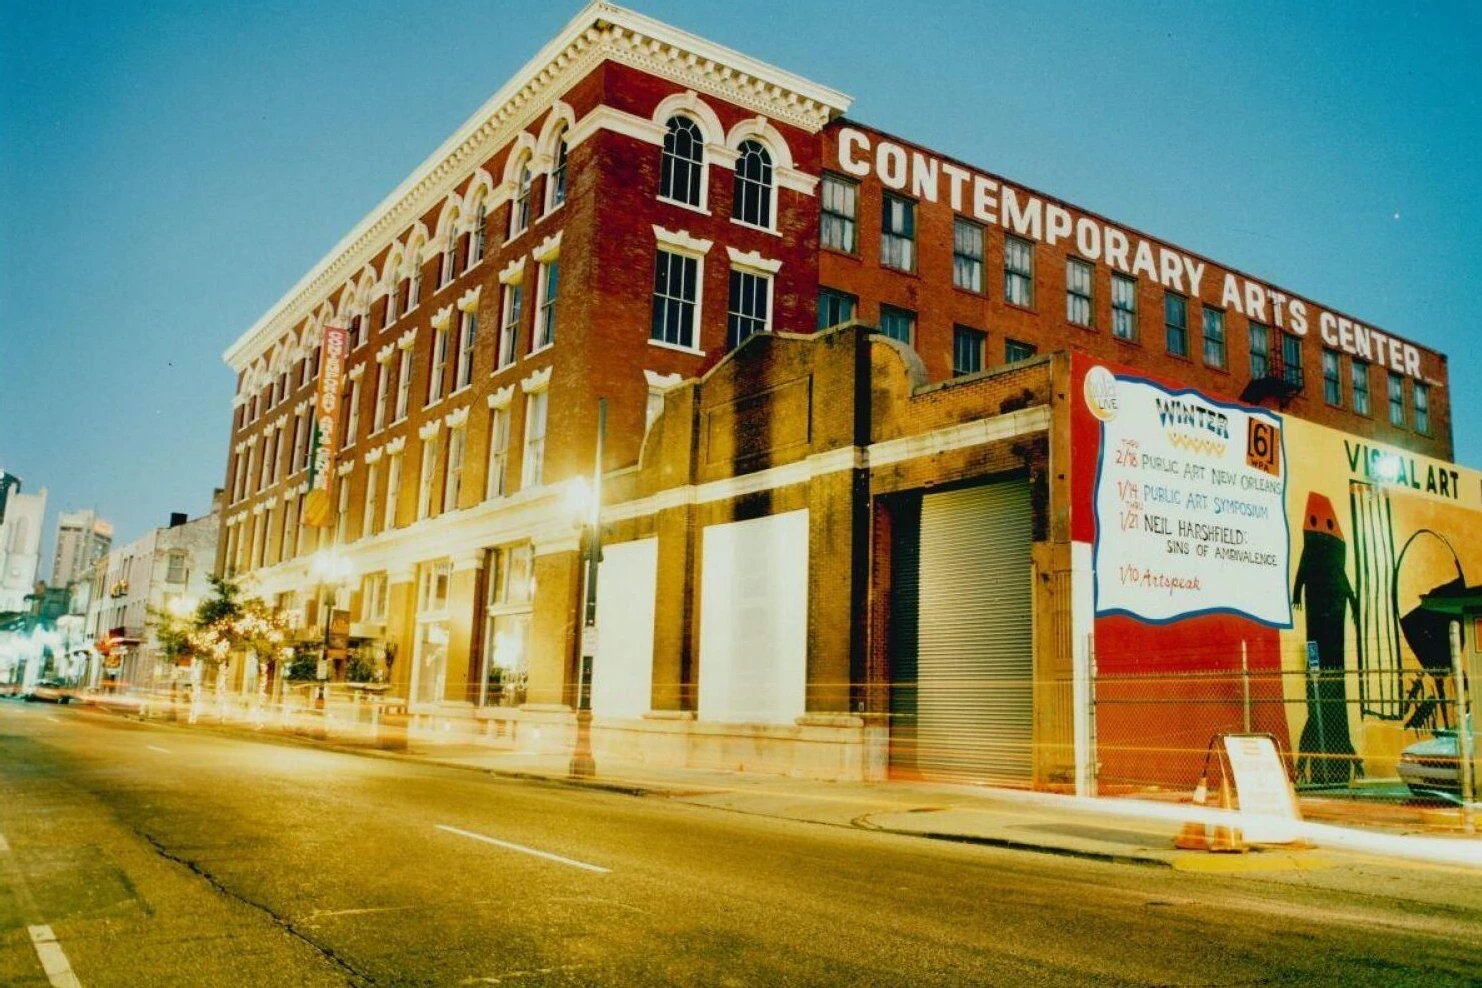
754, 620
623, 669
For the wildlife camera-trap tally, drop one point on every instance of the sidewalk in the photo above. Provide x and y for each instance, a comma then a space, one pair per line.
1118, 830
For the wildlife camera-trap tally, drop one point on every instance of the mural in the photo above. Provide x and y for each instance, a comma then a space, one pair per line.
1256, 571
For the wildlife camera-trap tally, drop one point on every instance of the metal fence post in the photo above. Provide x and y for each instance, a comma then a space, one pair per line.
1245, 682
1463, 733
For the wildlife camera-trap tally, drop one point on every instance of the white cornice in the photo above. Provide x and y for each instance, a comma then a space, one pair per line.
681, 240
396, 445
456, 417
405, 340
537, 380
356, 372
429, 429
469, 300
442, 317
753, 260
662, 382
549, 248
513, 272
344, 467
600, 32
502, 397
384, 354
374, 456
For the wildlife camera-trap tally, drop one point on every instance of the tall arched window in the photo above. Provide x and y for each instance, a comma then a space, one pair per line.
683, 166
556, 189
450, 253
476, 236
519, 216
753, 189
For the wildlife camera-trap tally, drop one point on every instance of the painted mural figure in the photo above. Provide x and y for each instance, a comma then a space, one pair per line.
1325, 754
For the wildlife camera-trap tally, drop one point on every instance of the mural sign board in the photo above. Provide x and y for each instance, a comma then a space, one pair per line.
1189, 503
317, 504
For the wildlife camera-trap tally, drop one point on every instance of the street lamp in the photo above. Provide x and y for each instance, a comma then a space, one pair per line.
331, 570
585, 504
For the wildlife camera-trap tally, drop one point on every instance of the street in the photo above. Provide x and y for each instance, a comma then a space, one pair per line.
162, 855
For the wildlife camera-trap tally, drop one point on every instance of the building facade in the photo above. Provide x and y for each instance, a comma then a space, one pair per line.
82, 539
167, 570
645, 217
20, 544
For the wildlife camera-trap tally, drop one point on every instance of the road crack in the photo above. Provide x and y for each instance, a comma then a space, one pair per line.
354, 976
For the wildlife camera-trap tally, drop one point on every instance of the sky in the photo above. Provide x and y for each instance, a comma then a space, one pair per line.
169, 170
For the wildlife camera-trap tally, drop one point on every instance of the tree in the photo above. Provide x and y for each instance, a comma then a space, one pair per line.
223, 623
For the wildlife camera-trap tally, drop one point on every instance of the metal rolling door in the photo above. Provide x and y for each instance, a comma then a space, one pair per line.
974, 654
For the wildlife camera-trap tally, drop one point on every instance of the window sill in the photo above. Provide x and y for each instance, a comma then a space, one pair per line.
1128, 341
551, 210
902, 271
458, 391
665, 345
852, 255
432, 404
758, 229
504, 367
1021, 308
702, 210
539, 350
976, 293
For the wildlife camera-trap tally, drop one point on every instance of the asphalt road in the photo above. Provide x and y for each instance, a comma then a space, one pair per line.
169, 856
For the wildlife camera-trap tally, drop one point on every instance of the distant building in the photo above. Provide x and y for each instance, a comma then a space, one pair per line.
20, 542
168, 569
82, 539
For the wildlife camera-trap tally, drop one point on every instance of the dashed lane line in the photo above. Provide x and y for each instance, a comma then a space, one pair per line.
53, 960
4, 845
155, 747
524, 850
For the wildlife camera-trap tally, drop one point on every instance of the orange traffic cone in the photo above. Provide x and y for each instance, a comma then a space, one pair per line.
1196, 836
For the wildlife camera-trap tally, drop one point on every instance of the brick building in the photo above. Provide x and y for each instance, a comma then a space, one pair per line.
643, 216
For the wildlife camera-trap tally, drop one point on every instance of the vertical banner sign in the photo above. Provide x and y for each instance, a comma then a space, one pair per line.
317, 504
1190, 505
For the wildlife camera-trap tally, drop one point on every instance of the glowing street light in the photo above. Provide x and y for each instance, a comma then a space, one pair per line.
331, 570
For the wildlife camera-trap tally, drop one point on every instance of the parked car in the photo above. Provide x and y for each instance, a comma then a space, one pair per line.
1433, 767
49, 691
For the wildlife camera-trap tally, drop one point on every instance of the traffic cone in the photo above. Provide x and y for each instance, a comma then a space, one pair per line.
1227, 840
1218, 838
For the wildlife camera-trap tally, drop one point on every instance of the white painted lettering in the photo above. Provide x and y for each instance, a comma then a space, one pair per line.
1255, 301
1361, 342
1196, 275
1298, 310
849, 140
985, 206
890, 164
1116, 248
924, 177
1328, 328
1088, 239
957, 181
1143, 263
1230, 297
1057, 223
1278, 308
1412, 361
1025, 222
1170, 269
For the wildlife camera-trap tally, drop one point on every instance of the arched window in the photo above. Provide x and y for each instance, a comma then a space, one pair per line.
450, 253
414, 290
753, 190
519, 216
683, 166
556, 193
476, 236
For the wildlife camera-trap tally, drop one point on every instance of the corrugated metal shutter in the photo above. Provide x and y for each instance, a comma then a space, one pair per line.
974, 651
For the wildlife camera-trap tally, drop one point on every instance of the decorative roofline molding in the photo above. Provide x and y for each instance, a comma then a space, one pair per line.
599, 32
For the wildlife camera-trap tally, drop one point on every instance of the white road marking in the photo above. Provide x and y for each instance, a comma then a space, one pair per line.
163, 751
54, 720
53, 961
3, 845
525, 850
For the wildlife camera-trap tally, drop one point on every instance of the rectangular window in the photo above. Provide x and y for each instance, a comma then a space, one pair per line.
449, 266
391, 294
1078, 308
453, 485
427, 483
509, 332
898, 324
468, 328
372, 514
1015, 351
840, 213
383, 396
1420, 397
403, 384
835, 307
1396, 399
1358, 376
342, 511
352, 415
498, 451
175, 568
1124, 307
545, 315
749, 308
1260, 351
967, 350
414, 288
1018, 272
288, 548
1291, 360
1214, 337
510, 572
373, 597
438, 374
393, 489
432, 594
1176, 324
676, 296
476, 237
532, 468
898, 233
967, 255
1332, 379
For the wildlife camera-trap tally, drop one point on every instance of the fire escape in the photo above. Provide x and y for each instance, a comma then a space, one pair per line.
1278, 376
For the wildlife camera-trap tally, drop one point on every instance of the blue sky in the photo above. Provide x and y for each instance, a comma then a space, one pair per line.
168, 170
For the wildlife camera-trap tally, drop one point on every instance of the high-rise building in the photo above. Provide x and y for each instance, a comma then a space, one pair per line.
82, 539
20, 543
829, 550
